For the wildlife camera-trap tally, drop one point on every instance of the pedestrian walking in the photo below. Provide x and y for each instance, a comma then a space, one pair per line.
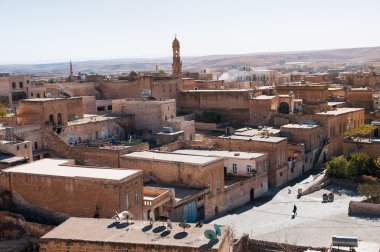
295, 210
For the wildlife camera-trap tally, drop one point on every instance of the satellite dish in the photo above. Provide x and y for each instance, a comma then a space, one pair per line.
218, 231
170, 224
184, 225
210, 234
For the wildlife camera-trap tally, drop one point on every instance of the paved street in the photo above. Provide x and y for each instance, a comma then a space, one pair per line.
315, 223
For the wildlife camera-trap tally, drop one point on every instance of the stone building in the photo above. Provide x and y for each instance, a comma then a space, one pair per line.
49, 111
200, 178
13, 150
57, 185
177, 169
230, 105
319, 78
262, 108
335, 123
237, 163
14, 88
376, 101
360, 97
276, 147
150, 116
306, 92
308, 135
83, 234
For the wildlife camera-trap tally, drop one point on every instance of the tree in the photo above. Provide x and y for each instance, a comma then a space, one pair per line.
3, 110
376, 162
133, 76
358, 164
338, 167
371, 191
364, 130
161, 71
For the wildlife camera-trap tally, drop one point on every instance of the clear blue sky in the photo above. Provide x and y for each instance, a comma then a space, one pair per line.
34, 31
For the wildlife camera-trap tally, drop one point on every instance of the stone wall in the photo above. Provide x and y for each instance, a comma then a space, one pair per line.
55, 245
235, 196
73, 196
89, 105
363, 208
178, 173
372, 149
251, 245
277, 155
149, 115
105, 157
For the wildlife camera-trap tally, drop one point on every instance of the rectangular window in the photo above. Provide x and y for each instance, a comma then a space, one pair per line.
14, 85
18, 147
127, 201
21, 84
31, 94
36, 145
109, 107
249, 169
258, 168
234, 168
265, 166
136, 197
27, 81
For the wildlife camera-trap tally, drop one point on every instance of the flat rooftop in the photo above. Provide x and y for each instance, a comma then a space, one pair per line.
48, 99
269, 139
264, 97
141, 101
88, 118
58, 167
180, 192
231, 154
134, 233
340, 111
218, 90
299, 126
335, 103
254, 132
172, 157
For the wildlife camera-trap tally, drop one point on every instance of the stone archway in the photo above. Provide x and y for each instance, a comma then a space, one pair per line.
283, 108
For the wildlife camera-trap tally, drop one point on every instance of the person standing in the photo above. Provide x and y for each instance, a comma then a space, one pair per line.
295, 210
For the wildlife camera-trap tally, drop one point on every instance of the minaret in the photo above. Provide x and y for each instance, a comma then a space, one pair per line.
177, 64
71, 77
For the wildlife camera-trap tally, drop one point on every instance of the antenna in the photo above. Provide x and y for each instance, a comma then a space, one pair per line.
170, 224
210, 234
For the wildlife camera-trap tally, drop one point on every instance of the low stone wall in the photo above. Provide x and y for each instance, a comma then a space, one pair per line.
209, 126
344, 183
251, 245
357, 208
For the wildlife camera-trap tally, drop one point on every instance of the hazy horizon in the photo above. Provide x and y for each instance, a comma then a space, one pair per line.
40, 32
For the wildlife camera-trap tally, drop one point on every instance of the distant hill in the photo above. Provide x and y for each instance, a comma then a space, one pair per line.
367, 55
